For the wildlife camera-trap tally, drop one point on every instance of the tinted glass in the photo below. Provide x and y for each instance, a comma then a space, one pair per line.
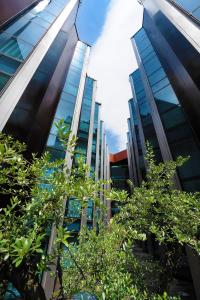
3, 80
177, 129
19, 37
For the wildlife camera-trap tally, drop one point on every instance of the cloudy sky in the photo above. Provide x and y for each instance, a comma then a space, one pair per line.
112, 60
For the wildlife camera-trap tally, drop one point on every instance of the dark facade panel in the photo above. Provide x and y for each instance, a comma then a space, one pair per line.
32, 117
180, 61
11, 8
39, 132
177, 130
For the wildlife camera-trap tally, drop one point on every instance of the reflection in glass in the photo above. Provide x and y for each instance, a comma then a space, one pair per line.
14, 47
3, 80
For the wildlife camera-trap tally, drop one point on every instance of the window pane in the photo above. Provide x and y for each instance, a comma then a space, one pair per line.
14, 47
3, 80
8, 65
197, 13
31, 33
71, 89
74, 77
37, 20
189, 5
166, 95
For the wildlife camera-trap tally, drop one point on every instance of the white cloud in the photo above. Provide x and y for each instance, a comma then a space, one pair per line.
112, 60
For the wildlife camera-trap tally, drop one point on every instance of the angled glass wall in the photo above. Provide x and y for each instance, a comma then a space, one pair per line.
190, 6
81, 150
84, 121
65, 109
134, 130
94, 140
100, 148
178, 132
145, 114
19, 38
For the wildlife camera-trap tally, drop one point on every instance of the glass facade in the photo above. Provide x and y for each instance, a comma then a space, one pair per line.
84, 122
94, 140
145, 114
65, 109
134, 123
100, 148
191, 6
20, 37
179, 134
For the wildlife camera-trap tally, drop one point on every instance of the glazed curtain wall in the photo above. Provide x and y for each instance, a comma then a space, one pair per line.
94, 140
81, 150
145, 114
177, 129
18, 39
65, 109
137, 149
191, 6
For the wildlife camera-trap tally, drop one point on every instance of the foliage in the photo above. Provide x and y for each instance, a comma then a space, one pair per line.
32, 198
158, 209
103, 264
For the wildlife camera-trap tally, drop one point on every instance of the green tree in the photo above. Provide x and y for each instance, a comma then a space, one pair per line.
157, 209
32, 198
103, 264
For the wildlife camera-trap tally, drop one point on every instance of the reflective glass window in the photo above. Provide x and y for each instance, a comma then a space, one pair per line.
70, 89
54, 8
14, 47
8, 65
177, 129
47, 16
160, 85
196, 13
152, 65
3, 80
73, 77
31, 33
157, 76
188, 5
37, 20
166, 95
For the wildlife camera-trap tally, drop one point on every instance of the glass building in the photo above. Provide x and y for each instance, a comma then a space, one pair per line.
36, 45
43, 79
159, 106
165, 109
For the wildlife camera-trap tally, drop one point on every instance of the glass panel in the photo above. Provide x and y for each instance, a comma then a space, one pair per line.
71, 89
14, 47
37, 20
159, 85
8, 65
166, 95
73, 77
196, 13
31, 33
47, 16
3, 80
54, 8
188, 5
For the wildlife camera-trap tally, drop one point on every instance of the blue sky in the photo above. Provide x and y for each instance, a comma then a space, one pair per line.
91, 18
108, 25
